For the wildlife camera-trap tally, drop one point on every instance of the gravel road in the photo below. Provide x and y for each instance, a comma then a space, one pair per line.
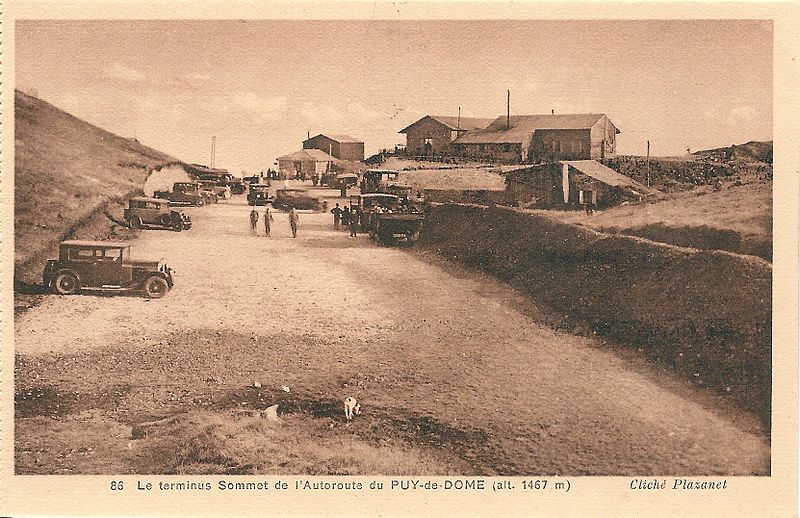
332, 316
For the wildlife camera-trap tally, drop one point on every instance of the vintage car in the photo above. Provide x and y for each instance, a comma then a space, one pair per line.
387, 217
258, 194
237, 186
104, 265
378, 180
184, 193
214, 190
287, 198
155, 211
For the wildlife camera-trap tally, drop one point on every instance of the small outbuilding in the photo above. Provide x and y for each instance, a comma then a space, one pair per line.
305, 164
572, 183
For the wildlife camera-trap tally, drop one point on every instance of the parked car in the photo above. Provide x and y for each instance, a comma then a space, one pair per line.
215, 191
298, 198
104, 265
237, 186
155, 211
258, 194
185, 193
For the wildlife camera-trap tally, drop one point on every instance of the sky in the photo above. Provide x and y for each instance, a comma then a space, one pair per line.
261, 87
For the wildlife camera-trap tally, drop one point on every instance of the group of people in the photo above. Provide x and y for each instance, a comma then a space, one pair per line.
346, 217
268, 220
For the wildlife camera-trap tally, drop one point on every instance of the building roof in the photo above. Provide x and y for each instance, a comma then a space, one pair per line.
608, 176
317, 155
96, 244
151, 200
519, 128
340, 138
454, 123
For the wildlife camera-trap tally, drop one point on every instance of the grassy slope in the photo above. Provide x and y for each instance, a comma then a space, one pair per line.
65, 169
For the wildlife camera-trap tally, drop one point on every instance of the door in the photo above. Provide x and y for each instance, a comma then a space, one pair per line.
108, 268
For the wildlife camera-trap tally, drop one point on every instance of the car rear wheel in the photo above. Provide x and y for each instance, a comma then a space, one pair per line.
66, 283
155, 287
166, 220
135, 222
200, 202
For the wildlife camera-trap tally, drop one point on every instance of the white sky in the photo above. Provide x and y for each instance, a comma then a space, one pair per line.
259, 86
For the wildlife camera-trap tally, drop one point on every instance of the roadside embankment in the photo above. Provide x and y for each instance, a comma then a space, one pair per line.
707, 314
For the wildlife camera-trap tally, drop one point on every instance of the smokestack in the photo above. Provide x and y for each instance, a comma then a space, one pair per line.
308, 133
508, 111
458, 124
552, 112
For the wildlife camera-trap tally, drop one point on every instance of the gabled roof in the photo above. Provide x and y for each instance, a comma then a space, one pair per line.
317, 155
608, 176
519, 128
340, 138
454, 123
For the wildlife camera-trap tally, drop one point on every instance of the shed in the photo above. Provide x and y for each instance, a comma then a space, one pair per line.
559, 185
541, 138
343, 147
432, 134
305, 163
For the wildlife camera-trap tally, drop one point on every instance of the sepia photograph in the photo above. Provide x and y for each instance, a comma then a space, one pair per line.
348, 248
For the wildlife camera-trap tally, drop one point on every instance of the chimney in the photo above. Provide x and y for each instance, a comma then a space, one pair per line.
458, 124
552, 112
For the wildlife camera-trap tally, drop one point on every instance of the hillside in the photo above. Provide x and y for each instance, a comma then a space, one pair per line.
66, 172
751, 151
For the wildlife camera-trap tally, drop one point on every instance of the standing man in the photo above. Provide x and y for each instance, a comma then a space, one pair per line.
346, 216
267, 219
293, 217
353, 223
337, 215
253, 221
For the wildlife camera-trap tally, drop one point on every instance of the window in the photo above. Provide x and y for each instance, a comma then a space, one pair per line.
82, 254
112, 254
428, 142
506, 147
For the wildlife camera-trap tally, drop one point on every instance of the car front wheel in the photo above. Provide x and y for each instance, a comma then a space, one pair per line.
66, 283
177, 226
155, 287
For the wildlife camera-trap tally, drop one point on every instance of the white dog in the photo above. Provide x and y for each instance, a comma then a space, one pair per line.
351, 408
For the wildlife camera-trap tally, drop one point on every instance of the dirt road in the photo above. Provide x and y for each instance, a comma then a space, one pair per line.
443, 360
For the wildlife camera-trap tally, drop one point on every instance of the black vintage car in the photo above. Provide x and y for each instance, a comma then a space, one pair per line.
104, 265
155, 212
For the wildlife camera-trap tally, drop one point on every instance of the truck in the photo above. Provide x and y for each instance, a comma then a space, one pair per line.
105, 265
387, 217
258, 194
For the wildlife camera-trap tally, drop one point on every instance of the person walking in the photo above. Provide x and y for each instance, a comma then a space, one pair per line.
354, 224
293, 217
267, 220
253, 221
337, 215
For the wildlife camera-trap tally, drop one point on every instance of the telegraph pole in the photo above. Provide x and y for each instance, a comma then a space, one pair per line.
508, 111
213, 149
648, 163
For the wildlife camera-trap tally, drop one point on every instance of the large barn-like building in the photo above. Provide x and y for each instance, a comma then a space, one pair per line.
432, 134
343, 147
305, 163
541, 138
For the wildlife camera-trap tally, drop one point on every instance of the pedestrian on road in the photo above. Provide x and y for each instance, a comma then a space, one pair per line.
293, 217
346, 216
253, 221
267, 219
337, 215
354, 224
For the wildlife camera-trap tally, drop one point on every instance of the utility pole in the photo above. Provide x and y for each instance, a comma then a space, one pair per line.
648, 163
213, 149
508, 111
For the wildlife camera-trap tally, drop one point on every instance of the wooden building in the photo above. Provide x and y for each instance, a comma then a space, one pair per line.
566, 184
343, 147
541, 138
432, 134
305, 164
